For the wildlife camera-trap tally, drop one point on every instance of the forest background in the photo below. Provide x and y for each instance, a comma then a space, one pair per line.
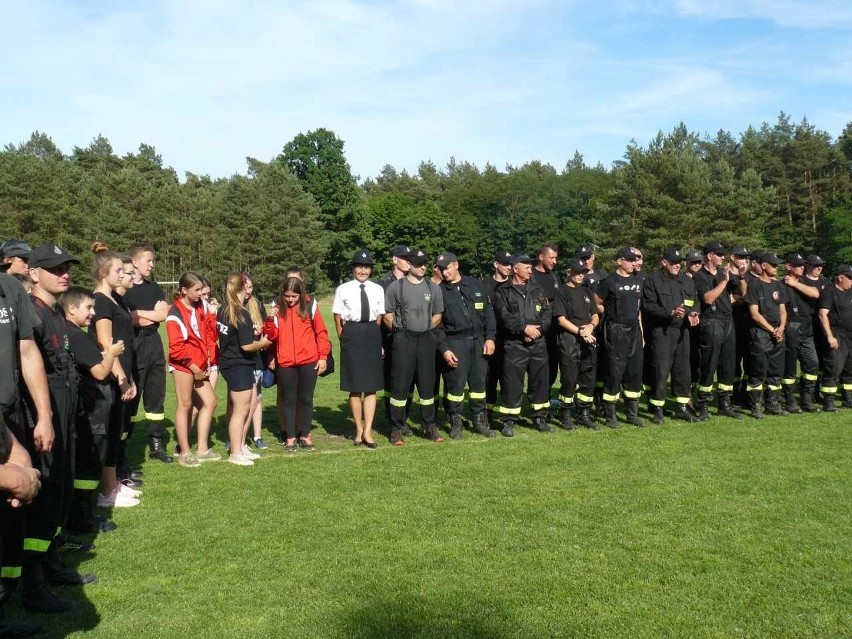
784, 187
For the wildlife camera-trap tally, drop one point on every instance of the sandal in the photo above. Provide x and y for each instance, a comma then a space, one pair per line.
291, 445
306, 443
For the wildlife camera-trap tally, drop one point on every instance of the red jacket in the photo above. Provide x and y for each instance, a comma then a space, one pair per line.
297, 341
212, 334
189, 341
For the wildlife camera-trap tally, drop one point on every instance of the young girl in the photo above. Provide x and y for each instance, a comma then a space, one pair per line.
189, 358
258, 317
301, 353
239, 342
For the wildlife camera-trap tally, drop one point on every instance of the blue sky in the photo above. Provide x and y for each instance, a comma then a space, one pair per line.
503, 81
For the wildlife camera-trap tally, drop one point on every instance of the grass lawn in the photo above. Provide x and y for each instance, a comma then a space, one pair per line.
722, 529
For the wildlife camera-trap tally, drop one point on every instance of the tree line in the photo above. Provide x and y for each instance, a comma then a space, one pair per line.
785, 187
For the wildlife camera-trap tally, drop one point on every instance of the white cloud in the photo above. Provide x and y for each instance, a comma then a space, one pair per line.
798, 14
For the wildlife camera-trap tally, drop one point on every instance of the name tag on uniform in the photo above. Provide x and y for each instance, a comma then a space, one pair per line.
538, 308
479, 305
689, 303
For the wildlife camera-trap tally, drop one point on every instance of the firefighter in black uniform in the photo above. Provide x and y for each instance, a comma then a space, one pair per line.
669, 307
399, 269
586, 252
800, 348
620, 294
835, 316
465, 338
523, 317
714, 285
502, 270
740, 256
766, 299
50, 270
814, 266
545, 276
694, 262
147, 303
576, 314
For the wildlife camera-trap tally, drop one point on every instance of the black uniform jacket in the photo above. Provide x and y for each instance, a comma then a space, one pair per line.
516, 308
662, 294
467, 312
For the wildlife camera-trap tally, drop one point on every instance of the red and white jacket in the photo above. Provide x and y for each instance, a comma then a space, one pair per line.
297, 341
190, 337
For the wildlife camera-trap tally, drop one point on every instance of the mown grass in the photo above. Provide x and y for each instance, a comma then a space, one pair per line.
721, 529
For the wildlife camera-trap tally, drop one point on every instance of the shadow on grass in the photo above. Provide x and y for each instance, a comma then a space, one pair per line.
335, 420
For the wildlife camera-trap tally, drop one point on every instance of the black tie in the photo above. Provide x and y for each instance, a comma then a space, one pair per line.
365, 305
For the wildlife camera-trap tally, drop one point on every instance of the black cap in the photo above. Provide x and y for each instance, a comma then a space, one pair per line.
576, 265
520, 258
50, 256
417, 258
585, 251
401, 250
672, 255
844, 269
756, 254
814, 260
795, 259
363, 257
769, 258
740, 251
503, 257
15, 248
626, 253
714, 247
445, 259
694, 256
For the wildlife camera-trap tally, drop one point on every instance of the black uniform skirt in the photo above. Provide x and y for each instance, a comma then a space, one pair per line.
361, 358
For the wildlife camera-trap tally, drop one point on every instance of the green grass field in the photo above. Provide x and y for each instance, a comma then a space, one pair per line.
721, 529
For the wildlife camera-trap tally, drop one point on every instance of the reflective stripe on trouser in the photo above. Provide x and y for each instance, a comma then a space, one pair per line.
525, 359
11, 542
471, 372
150, 377
577, 366
413, 361
717, 352
670, 356
623, 343
838, 369
766, 360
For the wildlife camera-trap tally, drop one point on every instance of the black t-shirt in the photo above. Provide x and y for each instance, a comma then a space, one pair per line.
768, 297
839, 305
87, 354
622, 298
706, 282
548, 282
593, 278
17, 320
144, 297
114, 310
800, 307
232, 338
576, 304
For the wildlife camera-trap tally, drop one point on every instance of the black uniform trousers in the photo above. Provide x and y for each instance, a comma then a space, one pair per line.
11, 519
470, 372
624, 361
694, 353
91, 445
552, 341
718, 357
522, 359
766, 361
742, 333
494, 374
413, 360
577, 365
800, 348
150, 377
670, 349
838, 369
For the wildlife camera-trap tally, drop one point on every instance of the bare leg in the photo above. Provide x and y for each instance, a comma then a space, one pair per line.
207, 397
257, 418
369, 416
183, 396
240, 402
355, 407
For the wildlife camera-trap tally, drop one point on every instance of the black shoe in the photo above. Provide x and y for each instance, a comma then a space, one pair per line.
67, 545
541, 425
457, 427
282, 439
632, 410
611, 417
157, 451
828, 404
17, 628
682, 413
96, 524
508, 429
68, 577
43, 599
481, 425
406, 431
658, 415
726, 410
396, 437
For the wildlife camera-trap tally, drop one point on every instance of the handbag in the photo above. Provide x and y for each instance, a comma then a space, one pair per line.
268, 379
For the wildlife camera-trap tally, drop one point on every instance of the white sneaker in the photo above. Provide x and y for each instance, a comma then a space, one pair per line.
116, 499
240, 460
130, 492
249, 453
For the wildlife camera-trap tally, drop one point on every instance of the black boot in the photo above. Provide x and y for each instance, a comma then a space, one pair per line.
773, 404
568, 418
725, 408
756, 401
456, 427
847, 398
609, 413
56, 573
36, 596
631, 408
508, 428
658, 415
790, 404
541, 425
808, 404
702, 405
481, 425
584, 418
828, 403
682, 413
156, 450
17, 628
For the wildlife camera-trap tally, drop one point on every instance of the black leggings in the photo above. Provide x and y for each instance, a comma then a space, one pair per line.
296, 398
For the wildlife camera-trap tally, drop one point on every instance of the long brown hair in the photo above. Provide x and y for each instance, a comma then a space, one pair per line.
102, 261
234, 287
295, 285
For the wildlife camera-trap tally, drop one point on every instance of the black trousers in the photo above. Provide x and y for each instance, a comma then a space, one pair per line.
524, 359
670, 350
742, 333
494, 374
551, 338
718, 356
296, 386
150, 376
470, 372
91, 446
413, 361
119, 427
624, 361
838, 368
577, 365
766, 361
799, 347
11, 519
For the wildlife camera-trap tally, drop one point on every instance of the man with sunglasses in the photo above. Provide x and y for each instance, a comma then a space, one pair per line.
715, 283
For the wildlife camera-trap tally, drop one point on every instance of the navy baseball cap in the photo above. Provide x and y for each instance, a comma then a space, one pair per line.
585, 251
577, 265
814, 260
15, 248
626, 253
694, 256
769, 258
418, 258
845, 270
401, 250
672, 255
714, 247
445, 259
740, 251
795, 259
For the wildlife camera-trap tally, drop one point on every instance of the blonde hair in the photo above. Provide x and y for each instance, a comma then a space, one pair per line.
234, 286
102, 261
